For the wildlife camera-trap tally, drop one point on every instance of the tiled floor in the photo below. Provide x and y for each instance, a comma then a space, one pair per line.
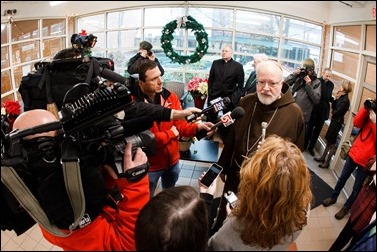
318, 235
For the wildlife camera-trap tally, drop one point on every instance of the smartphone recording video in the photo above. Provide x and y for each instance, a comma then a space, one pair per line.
211, 174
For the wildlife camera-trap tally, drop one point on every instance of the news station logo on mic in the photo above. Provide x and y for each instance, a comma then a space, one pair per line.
227, 119
218, 104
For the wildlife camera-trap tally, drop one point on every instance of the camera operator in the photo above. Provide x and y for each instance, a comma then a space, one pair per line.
306, 89
144, 53
112, 203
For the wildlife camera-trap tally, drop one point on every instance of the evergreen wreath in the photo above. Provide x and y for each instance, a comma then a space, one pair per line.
167, 37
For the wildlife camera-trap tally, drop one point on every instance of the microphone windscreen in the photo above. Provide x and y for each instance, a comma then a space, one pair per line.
226, 100
237, 113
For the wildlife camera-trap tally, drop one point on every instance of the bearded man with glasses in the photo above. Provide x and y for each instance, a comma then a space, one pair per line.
273, 105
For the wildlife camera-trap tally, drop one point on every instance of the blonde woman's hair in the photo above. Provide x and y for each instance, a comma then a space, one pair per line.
274, 193
347, 86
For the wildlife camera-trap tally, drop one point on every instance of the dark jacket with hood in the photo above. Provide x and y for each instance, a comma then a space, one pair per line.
284, 118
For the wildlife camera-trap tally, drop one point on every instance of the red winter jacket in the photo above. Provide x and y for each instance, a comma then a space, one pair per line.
364, 145
167, 143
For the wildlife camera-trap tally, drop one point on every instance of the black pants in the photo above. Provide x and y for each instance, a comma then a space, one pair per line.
312, 132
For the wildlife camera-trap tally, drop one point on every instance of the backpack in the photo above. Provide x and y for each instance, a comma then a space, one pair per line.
50, 81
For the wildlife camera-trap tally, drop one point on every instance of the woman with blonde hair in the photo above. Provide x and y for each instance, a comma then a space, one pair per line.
273, 200
340, 106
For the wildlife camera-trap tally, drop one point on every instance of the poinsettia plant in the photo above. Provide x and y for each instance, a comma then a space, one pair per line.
198, 87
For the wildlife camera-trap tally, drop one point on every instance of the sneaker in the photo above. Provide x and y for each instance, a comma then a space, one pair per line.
343, 212
329, 201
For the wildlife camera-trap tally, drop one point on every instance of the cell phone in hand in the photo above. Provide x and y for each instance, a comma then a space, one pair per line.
231, 198
212, 173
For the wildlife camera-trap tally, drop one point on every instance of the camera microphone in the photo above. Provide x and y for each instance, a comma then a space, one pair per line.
264, 127
217, 104
225, 120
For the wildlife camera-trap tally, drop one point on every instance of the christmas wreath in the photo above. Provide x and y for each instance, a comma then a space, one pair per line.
167, 37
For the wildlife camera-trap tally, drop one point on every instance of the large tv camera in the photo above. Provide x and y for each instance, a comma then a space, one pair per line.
90, 123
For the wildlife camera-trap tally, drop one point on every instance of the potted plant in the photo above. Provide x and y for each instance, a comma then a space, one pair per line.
198, 88
185, 143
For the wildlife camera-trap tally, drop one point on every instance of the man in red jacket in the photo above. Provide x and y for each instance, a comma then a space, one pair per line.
165, 163
362, 149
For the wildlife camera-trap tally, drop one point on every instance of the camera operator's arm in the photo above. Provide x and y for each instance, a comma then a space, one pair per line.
291, 79
134, 196
157, 112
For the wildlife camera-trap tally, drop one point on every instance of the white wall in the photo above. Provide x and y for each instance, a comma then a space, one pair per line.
319, 11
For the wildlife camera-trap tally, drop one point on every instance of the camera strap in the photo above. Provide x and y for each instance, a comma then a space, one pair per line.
72, 179
27, 200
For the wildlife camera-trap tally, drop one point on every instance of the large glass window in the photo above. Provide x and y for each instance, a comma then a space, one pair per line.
345, 62
347, 37
370, 44
23, 30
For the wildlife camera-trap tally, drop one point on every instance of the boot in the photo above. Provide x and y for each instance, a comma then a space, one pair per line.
323, 157
326, 164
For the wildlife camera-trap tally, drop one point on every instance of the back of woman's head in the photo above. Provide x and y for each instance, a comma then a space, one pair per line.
274, 193
174, 219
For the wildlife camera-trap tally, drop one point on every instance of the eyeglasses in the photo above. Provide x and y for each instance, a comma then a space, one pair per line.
270, 84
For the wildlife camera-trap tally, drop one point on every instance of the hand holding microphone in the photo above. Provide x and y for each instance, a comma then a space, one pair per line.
263, 137
226, 120
217, 105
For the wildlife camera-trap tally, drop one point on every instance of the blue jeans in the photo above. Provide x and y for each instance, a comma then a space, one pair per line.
361, 175
168, 176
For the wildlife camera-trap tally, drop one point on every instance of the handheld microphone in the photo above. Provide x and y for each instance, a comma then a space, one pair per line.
225, 120
264, 127
216, 105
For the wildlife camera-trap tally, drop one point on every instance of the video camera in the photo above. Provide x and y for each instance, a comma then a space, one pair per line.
90, 122
303, 72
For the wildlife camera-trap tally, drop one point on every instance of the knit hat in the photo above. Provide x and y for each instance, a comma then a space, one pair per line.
308, 63
145, 45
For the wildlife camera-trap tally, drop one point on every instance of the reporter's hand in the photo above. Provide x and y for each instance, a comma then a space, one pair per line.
182, 114
205, 126
140, 157
175, 131
228, 209
211, 189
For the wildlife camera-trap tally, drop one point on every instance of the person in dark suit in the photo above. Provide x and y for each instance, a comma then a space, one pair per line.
340, 107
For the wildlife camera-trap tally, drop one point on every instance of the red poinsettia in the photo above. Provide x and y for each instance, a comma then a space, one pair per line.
198, 87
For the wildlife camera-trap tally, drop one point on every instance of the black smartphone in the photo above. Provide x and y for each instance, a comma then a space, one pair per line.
149, 53
211, 175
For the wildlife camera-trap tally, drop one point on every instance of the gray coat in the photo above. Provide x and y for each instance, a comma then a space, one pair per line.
305, 95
